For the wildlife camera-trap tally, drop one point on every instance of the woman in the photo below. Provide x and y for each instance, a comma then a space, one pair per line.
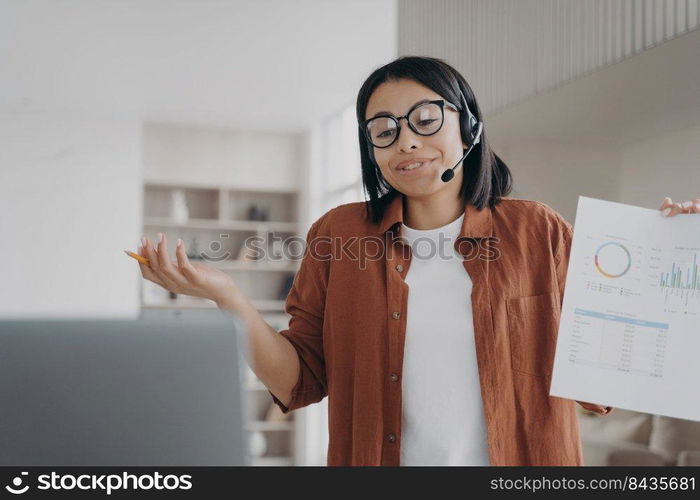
437, 356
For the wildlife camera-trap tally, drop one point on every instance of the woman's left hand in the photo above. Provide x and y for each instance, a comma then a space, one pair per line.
669, 208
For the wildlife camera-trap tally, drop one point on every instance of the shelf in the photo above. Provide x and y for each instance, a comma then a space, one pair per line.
264, 425
229, 212
227, 225
181, 305
269, 305
164, 183
260, 305
242, 265
252, 266
272, 461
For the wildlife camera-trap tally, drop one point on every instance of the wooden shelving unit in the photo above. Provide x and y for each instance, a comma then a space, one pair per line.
216, 227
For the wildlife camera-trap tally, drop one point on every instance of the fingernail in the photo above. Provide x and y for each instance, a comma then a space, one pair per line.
667, 199
687, 204
160, 237
697, 207
666, 211
143, 240
179, 242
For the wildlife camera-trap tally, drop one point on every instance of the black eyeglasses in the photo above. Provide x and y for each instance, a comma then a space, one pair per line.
424, 118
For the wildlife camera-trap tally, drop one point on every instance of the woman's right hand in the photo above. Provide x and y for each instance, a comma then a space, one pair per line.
182, 276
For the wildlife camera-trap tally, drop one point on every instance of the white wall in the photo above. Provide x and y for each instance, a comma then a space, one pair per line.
70, 199
668, 165
640, 173
557, 173
221, 155
627, 133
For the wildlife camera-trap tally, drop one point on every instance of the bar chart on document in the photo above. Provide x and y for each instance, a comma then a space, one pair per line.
629, 333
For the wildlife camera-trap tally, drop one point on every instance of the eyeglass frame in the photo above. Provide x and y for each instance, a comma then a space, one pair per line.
441, 102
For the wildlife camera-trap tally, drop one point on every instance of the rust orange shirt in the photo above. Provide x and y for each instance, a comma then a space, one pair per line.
348, 306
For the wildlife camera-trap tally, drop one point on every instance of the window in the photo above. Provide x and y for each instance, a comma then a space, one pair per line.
341, 173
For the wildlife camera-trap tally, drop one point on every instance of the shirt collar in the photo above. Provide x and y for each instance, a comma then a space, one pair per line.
476, 223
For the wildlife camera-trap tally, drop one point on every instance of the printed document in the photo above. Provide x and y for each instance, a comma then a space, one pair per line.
629, 332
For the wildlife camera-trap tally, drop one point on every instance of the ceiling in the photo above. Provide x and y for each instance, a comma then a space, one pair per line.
268, 65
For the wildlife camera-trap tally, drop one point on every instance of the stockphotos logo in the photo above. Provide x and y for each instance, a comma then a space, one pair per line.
16, 487
108, 483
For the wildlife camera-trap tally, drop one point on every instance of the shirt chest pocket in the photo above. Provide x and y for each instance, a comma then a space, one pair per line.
533, 324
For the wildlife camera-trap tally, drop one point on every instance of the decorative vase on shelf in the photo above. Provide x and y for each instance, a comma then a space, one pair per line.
254, 212
257, 443
193, 250
179, 211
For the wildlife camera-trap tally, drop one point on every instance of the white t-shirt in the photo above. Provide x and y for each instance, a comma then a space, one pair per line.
442, 410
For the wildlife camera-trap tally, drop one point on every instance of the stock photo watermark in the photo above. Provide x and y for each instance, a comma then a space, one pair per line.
361, 249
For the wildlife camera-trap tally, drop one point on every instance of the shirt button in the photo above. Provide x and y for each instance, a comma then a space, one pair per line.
394, 377
399, 268
392, 438
396, 315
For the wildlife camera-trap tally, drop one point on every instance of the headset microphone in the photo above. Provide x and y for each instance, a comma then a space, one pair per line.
448, 174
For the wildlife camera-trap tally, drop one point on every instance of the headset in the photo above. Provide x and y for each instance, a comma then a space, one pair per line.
473, 129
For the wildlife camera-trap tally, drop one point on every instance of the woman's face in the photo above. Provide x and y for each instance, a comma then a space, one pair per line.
442, 150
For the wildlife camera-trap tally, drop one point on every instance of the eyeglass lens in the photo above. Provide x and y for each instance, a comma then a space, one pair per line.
426, 119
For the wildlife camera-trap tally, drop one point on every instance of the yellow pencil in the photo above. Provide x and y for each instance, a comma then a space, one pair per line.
142, 260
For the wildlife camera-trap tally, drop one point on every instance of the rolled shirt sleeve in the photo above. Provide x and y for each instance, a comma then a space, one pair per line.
563, 237
305, 304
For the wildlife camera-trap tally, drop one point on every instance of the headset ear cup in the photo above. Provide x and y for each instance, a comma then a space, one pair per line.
470, 129
466, 129
475, 133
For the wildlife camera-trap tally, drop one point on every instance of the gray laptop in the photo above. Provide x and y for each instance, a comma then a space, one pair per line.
157, 391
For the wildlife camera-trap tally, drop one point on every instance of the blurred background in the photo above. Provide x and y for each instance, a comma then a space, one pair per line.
215, 121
